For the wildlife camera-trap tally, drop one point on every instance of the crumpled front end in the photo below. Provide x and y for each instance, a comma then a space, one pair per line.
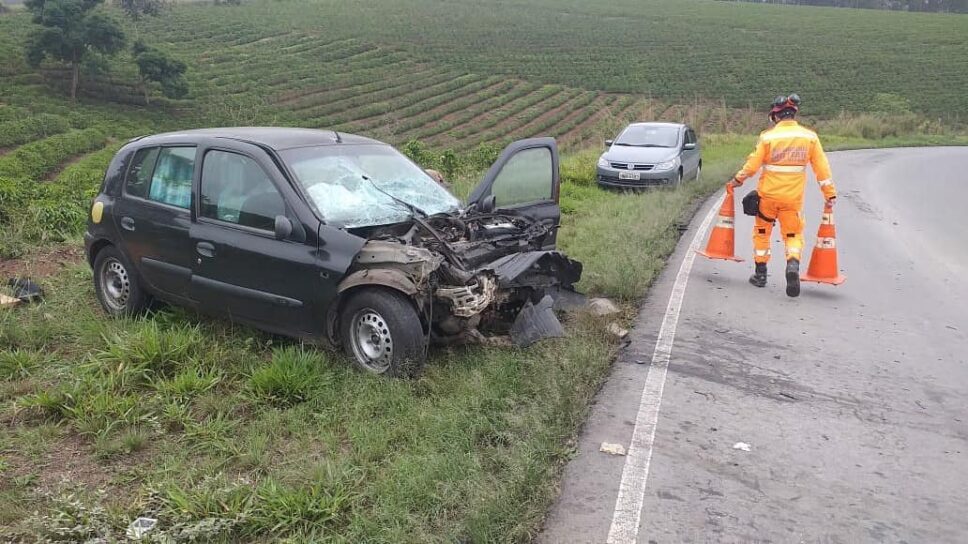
489, 291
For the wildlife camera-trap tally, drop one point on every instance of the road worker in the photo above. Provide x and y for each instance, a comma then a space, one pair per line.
783, 153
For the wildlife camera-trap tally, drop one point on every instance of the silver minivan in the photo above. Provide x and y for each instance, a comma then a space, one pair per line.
650, 154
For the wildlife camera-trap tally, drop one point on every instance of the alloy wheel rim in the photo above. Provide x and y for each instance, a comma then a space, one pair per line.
115, 284
371, 341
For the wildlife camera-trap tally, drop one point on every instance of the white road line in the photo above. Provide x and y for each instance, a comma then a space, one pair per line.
631, 491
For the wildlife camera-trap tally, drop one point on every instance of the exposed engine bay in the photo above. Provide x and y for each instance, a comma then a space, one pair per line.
470, 275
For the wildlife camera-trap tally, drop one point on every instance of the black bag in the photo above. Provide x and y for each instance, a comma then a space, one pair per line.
751, 206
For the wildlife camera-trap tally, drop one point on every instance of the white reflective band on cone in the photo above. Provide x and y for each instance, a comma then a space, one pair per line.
827, 243
786, 169
725, 222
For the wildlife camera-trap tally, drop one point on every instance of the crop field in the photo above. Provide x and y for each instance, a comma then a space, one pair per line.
226, 434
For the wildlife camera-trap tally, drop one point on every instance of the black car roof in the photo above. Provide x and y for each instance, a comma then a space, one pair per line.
277, 138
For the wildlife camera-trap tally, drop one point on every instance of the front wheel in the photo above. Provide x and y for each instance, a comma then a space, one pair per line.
380, 330
699, 173
116, 284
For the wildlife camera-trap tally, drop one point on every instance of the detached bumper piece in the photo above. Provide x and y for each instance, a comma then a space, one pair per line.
536, 322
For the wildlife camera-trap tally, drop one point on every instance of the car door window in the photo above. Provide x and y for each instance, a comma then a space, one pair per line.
526, 178
235, 189
171, 182
139, 174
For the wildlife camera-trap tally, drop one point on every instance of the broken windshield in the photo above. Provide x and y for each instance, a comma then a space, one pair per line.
351, 185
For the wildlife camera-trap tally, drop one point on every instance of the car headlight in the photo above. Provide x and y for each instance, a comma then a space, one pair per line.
603, 163
668, 165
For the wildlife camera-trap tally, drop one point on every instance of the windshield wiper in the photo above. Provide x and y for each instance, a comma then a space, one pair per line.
415, 211
644, 145
419, 217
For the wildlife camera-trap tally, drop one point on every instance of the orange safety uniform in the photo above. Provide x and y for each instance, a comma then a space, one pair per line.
783, 153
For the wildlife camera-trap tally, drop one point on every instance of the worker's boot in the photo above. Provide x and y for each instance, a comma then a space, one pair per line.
793, 278
759, 275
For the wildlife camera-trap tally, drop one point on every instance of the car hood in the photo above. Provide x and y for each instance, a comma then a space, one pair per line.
646, 155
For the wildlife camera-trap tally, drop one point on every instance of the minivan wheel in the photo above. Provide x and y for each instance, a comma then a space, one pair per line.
116, 284
679, 178
380, 330
699, 173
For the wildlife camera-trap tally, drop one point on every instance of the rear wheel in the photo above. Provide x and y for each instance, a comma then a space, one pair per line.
380, 330
116, 284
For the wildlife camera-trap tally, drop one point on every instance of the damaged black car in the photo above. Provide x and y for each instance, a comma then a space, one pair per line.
322, 235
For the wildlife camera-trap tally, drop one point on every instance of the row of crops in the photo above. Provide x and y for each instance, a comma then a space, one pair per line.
261, 64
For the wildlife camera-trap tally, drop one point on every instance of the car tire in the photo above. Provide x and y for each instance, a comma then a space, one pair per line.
381, 332
699, 173
678, 182
117, 285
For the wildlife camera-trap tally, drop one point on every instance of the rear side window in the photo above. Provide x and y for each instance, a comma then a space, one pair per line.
235, 189
139, 175
171, 182
526, 178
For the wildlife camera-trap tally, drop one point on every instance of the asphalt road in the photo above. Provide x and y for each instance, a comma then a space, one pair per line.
853, 400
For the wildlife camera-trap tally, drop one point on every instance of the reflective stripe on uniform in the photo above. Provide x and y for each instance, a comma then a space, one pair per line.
725, 222
762, 252
784, 169
784, 134
825, 182
827, 243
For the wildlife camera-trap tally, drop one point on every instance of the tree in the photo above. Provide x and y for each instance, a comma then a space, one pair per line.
136, 9
156, 66
71, 32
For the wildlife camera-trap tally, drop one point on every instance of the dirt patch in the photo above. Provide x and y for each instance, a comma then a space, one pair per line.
41, 264
70, 460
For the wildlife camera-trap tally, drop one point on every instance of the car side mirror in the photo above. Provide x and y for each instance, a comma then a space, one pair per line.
283, 227
689, 146
608, 143
488, 204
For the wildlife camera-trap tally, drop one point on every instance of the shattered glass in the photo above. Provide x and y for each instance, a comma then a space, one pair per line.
348, 184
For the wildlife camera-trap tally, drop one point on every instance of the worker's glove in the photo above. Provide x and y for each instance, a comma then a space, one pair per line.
831, 201
734, 183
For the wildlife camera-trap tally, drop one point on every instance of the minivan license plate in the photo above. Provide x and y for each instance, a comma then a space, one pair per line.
628, 175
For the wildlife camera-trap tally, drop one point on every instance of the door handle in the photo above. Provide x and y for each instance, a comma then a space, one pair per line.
127, 223
205, 249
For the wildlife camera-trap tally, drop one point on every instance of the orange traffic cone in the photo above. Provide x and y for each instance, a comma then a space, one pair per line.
823, 262
722, 239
